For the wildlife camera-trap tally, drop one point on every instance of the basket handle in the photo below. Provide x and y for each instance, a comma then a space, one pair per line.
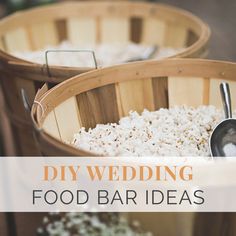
68, 51
25, 100
28, 108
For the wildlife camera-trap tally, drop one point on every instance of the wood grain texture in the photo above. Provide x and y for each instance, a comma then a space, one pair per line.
82, 31
61, 27
136, 29
185, 91
100, 105
206, 91
160, 92
114, 30
154, 31
17, 40
43, 34
176, 36
135, 95
51, 125
68, 119
215, 96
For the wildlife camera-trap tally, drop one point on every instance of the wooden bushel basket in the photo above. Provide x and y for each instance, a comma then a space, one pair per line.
106, 95
82, 23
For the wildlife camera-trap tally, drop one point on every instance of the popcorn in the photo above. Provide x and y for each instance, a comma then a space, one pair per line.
178, 131
106, 54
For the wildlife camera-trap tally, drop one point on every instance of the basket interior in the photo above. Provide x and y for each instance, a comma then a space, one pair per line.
106, 95
84, 23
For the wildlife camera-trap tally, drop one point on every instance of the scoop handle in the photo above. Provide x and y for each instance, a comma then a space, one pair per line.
226, 99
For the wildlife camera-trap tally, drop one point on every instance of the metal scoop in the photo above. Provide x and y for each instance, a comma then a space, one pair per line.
223, 138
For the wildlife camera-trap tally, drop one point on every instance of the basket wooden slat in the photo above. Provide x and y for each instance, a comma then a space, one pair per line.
134, 95
68, 108
52, 125
85, 33
189, 92
38, 73
176, 36
17, 40
161, 99
115, 30
86, 23
89, 104
48, 35
150, 33
136, 25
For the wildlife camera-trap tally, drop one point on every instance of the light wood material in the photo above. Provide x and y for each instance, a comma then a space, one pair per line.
100, 105
154, 31
114, 30
206, 92
185, 91
43, 34
105, 95
17, 40
67, 109
87, 22
176, 36
215, 96
135, 95
82, 31
51, 125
